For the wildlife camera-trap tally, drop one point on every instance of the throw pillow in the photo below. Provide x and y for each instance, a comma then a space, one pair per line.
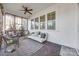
43, 35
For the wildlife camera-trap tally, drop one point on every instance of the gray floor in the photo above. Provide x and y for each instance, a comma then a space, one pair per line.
49, 49
67, 51
29, 47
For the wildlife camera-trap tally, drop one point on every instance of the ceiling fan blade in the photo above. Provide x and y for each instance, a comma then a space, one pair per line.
22, 10
30, 9
25, 12
29, 12
24, 7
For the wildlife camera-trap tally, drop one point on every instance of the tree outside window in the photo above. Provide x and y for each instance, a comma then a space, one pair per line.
42, 22
51, 20
36, 23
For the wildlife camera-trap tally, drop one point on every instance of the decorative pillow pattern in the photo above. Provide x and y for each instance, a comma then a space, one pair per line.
43, 35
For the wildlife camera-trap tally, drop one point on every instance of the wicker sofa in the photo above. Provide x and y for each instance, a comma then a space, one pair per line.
38, 36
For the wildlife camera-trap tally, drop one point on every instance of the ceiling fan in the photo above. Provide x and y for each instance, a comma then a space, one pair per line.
1, 7
26, 10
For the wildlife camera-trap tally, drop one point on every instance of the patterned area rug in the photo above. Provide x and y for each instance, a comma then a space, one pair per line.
27, 47
67, 51
49, 49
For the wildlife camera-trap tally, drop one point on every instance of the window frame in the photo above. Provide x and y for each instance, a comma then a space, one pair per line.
53, 26
14, 21
42, 22
33, 24
37, 24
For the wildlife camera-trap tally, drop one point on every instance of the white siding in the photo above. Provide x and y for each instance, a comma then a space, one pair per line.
66, 24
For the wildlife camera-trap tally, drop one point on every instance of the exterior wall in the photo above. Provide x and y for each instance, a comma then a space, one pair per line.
66, 24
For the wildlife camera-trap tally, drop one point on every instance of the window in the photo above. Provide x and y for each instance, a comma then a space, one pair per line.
36, 23
32, 24
24, 23
51, 20
18, 23
42, 22
14, 22
9, 21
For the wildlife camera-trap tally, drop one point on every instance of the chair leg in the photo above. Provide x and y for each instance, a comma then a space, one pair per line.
5, 47
17, 44
0, 47
0, 43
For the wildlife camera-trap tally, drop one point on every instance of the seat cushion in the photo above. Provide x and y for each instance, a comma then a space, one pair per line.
10, 41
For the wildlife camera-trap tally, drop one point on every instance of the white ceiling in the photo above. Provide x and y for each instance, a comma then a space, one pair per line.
14, 8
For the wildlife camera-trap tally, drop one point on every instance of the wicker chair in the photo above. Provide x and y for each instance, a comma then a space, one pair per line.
10, 40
